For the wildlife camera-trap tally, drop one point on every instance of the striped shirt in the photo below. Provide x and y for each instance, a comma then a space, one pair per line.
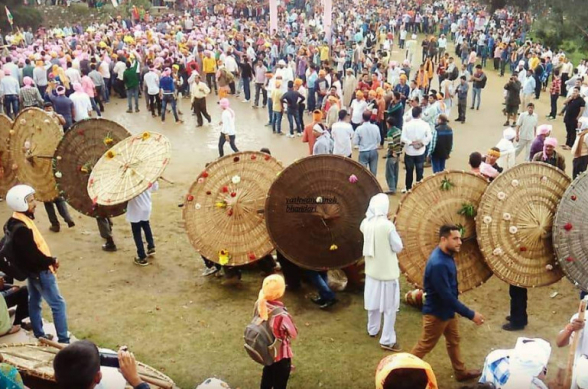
555, 88
394, 144
31, 97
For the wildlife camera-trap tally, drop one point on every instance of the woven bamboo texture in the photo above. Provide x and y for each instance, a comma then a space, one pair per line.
77, 153
440, 199
36, 360
32, 146
222, 208
514, 224
314, 209
570, 232
129, 168
7, 174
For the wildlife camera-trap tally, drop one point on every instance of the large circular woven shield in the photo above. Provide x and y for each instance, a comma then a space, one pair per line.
570, 232
77, 153
129, 168
223, 210
32, 146
450, 197
514, 224
7, 174
314, 209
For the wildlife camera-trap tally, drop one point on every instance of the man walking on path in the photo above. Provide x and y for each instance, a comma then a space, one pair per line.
526, 126
442, 303
479, 82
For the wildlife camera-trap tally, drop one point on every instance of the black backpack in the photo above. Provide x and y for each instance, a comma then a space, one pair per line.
8, 259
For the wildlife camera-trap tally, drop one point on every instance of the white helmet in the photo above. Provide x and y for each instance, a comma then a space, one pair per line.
16, 198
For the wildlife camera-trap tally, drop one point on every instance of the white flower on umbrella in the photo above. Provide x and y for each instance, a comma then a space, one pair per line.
487, 219
513, 229
501, 195
506, 216
58, 174
319, 199
236, 179
544, 179
497, 251
197, 206
23, 121
515, 183
549, 267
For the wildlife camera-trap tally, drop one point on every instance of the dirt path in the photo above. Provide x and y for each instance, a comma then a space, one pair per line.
191, 327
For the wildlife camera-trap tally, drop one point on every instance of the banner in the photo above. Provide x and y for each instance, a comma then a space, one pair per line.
273, 4
328, 19
9, 16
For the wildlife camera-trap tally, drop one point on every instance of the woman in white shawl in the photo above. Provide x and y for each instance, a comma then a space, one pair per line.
381, 243
393, 76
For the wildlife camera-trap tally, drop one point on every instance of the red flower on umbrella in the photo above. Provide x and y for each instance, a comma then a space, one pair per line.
568, 226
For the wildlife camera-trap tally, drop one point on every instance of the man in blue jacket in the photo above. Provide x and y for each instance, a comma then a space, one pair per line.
442, 303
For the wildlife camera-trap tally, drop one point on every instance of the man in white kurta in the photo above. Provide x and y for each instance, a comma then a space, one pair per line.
381, 243
565, 337
507, 149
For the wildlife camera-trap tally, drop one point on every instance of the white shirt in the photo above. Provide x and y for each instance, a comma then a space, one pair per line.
151, 79
415, 130
139, 208
442, 43
231, 64
357, 108
342, 134
119, 69
228, 120
527, 124
104, 69
73, 75
82, 105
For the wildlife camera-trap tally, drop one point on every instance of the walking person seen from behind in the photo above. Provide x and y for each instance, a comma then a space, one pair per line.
227, 128
138, 214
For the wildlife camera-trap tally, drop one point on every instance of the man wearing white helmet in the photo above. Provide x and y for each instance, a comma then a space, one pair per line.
35, 260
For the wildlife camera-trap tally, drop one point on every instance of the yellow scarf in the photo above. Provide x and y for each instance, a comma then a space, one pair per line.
39, 240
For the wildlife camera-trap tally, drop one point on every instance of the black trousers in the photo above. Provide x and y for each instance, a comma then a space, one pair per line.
18, 298
153, 102
211, 81
105, 227
276, 376
564, 87
553, 99
518, 305
61, 208
259, 88
292, 273
538, 85
199, 106
221, 144
571, 126
461, 109
580, 165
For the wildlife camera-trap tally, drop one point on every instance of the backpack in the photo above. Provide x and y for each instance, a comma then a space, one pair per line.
260, 342
482, 83
8, 260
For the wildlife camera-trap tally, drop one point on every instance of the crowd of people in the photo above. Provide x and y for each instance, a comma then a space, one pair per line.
339, 89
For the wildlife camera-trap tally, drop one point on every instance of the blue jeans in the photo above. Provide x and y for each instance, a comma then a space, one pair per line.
478, 93
45, 287
270, 110
438, 164
392, 173
11, 105
169, 99
411, 162
369, 159
311, 100
133, 93
106, 90
138, 238
95, 106
319, 280
246, 87
294, 118
277, 122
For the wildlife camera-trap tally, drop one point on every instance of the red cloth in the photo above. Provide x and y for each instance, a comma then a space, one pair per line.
283, 328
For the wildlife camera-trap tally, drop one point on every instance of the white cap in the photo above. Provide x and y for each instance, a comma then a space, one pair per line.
282, 62
16, 198
509, 133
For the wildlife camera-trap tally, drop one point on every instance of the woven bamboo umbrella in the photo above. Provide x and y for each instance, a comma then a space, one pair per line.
224, 208
7, 174
514, 224
570, 232
450, 197
32, 146
314, 209
129, 168
77, 153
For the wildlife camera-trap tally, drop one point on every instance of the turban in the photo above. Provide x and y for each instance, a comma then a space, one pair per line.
61, 90
509, 133
548, 142
544, 129
298, 82
27, 81
77, 87
272, 289
493, 153
224, 103
359, 95
317, 115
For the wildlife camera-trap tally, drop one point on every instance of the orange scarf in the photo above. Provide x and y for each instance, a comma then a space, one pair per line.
39, 240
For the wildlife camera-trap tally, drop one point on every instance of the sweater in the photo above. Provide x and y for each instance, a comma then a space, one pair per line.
383, 266
441, 288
